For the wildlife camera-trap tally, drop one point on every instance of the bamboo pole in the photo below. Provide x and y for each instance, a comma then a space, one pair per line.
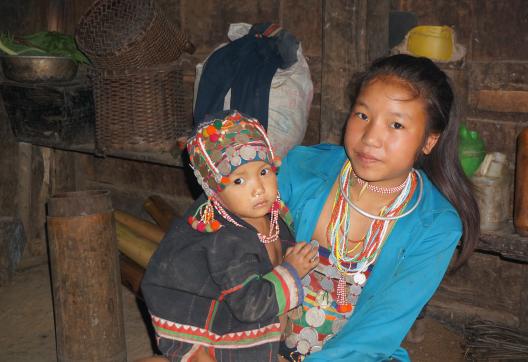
160, 211
139, 226
135, 247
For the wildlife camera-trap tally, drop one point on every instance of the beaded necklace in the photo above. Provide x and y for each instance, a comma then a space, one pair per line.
274, 221
339, 226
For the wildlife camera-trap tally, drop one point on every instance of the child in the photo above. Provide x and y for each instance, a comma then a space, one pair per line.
218, 282
388, 210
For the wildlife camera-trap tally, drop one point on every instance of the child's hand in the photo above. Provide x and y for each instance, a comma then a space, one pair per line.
303, 257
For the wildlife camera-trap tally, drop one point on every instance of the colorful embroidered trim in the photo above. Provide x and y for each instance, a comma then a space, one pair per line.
196, 335
288, 286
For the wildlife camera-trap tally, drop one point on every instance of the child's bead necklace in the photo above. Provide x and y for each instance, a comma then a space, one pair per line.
274, 224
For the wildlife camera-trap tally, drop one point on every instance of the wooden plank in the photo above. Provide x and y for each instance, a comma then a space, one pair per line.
502, 100
505, 243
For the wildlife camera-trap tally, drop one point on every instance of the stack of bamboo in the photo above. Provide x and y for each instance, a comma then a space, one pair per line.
138, 239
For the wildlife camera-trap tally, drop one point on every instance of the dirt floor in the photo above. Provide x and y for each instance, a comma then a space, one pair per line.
27, 332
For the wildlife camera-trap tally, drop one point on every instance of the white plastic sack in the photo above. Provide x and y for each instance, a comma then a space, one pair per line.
290, 99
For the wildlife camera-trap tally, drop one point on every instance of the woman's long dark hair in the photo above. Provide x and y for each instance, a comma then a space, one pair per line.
442, 165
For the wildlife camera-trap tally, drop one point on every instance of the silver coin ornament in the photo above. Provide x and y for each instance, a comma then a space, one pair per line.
360, 278
332, 272
316, 349
262, 155
230, 151
291, 340
355, 289
327, 284
327, 338
352, 298
309, 334
338, 324
303, 346
236, 160
224, 167
248, 153
315, 317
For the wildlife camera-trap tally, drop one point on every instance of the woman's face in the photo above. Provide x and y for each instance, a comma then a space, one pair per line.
385, 131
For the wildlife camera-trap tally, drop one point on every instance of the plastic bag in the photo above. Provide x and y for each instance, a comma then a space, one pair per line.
290, 99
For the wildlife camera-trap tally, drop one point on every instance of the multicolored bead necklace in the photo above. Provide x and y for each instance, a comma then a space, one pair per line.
274, 221
379, 189
205, 221
338, 230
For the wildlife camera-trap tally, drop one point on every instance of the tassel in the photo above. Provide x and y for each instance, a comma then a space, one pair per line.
343, 306
206, 222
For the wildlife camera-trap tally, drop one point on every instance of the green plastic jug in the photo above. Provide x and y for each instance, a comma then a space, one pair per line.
471, 150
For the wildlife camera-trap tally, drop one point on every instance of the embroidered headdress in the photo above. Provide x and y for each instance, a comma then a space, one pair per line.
222, 144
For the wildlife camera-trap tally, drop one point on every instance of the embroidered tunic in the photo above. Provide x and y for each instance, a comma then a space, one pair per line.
218, 290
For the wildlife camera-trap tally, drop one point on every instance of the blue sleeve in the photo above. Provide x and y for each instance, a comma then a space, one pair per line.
380, 323
284, 179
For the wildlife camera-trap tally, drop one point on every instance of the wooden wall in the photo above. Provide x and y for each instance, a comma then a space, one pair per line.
492, 86
339, 37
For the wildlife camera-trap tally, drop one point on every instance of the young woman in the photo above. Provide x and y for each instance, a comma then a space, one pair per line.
387, 209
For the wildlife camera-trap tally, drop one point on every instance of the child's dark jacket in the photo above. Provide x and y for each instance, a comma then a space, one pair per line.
208, 288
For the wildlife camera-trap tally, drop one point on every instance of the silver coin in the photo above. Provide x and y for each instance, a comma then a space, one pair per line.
333, 272
291, 340
248, 153
315, 317
338, 324
360, 278
224, 167
355, 289
352, 298
315, 349
327, 338
236, 161
310, 334
327, 284
303, 346
263, 155
230, 151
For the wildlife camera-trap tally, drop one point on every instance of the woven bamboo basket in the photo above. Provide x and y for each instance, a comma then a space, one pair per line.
139, 110
117, 34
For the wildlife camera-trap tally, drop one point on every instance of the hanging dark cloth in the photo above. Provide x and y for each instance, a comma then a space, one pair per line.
246, 66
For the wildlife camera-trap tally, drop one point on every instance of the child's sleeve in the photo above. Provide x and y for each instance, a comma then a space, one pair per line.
251, 296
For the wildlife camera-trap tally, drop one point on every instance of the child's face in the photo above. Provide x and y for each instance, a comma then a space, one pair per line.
385, 131
252, 190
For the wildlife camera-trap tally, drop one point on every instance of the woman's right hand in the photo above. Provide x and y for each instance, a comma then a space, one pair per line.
303, 257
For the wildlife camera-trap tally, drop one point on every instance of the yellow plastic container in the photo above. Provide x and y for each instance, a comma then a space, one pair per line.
434, 42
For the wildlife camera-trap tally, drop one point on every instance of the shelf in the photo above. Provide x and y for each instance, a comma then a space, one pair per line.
506, 243
161, 158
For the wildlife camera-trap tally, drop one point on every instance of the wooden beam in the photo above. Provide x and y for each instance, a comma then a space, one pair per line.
502, 101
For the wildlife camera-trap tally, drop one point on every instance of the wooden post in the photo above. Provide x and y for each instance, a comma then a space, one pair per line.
354, 32
12, 242
85, 277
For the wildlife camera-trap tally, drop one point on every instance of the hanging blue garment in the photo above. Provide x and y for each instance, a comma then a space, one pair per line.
246, 66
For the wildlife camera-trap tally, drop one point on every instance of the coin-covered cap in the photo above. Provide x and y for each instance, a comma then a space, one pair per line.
222, 144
